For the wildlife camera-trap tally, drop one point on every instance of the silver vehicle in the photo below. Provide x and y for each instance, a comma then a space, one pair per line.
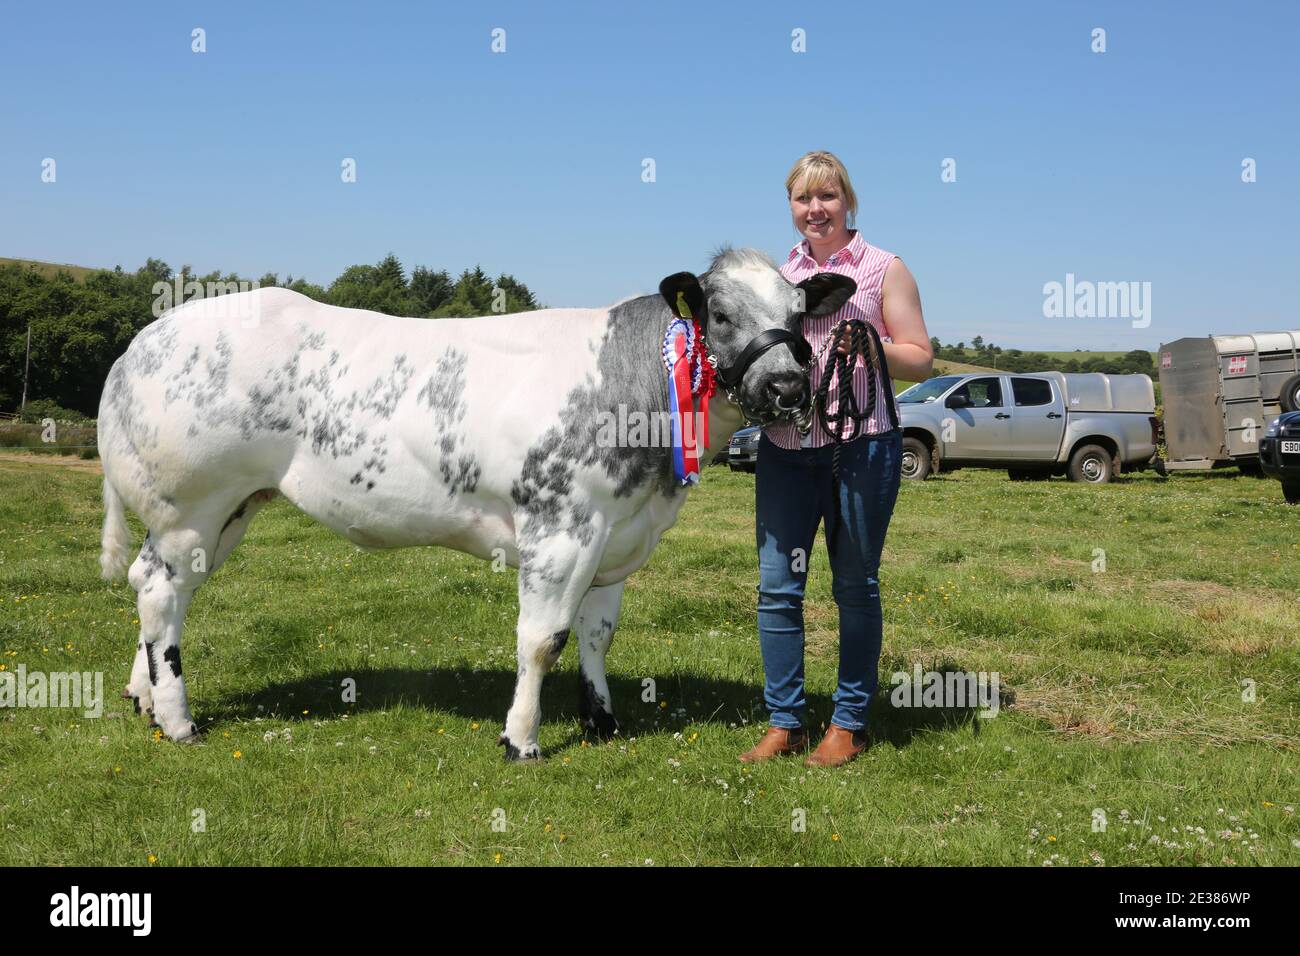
1088, 426
742, 450
1221, 392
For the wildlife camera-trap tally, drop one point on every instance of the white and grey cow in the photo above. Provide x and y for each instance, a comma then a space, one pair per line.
475, 434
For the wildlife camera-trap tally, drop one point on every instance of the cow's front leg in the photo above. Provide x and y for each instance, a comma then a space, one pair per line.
594, 630
164, 586
554, 574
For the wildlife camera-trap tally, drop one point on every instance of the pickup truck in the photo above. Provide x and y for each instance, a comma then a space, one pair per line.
1088, 426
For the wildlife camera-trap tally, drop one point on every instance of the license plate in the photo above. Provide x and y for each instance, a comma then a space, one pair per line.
1291, 447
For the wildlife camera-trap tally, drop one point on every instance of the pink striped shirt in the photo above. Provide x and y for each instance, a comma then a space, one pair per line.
865, 265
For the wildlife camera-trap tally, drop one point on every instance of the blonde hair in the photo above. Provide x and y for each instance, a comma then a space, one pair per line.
816, 169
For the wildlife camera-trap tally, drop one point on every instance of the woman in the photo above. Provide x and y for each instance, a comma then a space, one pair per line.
795, 489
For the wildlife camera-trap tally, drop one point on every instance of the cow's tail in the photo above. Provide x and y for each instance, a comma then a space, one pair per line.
116, 540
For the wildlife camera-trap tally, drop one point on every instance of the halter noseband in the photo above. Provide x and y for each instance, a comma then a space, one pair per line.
732, 375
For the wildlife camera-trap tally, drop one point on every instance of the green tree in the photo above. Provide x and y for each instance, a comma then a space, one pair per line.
429, 291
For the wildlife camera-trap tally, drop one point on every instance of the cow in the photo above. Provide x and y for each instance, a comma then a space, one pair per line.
474, 434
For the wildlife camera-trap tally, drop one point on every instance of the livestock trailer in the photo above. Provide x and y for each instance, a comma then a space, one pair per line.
1221, 391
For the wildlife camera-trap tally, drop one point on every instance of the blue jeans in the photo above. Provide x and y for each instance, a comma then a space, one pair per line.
793, 493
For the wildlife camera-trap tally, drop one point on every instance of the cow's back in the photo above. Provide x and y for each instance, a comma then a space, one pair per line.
390, 430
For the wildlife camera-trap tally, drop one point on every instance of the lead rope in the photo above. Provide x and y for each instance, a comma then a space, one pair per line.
864, 343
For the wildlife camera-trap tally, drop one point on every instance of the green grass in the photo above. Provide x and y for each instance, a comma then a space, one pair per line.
31, 439
1127, 686
50, 269
945, 367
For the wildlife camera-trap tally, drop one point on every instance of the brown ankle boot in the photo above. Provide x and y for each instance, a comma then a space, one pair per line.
838, 747
777, 742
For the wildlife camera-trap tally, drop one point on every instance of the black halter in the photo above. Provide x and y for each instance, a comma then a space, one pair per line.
732, 375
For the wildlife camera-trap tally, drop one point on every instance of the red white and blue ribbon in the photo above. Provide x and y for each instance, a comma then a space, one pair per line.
689, 375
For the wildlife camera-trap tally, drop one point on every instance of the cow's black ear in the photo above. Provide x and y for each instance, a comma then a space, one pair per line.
826, 292
684, 296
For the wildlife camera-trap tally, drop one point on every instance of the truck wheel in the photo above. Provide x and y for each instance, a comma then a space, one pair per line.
1091, 463
1290, 394
1291, 492
916, 459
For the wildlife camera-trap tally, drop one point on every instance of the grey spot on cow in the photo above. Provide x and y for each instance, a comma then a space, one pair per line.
153, 560
462, 476
558, 640
382, 396
185, 384
631, 374
153, 347
444, 394
153, 665
535, 572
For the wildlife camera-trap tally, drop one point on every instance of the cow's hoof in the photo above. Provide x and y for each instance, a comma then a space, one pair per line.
141, 703
601, 725
530, 753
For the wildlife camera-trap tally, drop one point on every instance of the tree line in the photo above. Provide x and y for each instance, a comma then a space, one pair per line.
1014, 360
78, 328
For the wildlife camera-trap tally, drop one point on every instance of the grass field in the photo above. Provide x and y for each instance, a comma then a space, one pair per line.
50, 269
1127, 683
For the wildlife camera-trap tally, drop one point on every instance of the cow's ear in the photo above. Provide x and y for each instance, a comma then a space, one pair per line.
684, 296
826, 292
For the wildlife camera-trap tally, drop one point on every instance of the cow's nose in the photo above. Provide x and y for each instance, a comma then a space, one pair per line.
787, 393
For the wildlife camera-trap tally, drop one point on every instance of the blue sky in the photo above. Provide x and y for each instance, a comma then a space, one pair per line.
1115, 166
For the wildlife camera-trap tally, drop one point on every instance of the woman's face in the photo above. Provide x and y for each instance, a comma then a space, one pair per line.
819, 214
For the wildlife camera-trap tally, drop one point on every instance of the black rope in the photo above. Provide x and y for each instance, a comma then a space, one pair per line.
864, 343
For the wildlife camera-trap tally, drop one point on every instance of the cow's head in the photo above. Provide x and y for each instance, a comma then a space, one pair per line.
752, 316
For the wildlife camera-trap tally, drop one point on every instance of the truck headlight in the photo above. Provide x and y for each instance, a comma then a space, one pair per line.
1273, 428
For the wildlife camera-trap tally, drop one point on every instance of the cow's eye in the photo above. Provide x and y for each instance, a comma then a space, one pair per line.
721, 317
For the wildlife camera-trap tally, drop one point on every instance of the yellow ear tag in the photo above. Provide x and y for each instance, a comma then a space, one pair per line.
683, 309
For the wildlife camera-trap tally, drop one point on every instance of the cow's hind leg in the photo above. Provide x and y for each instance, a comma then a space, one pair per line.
594, 630
554, 574
164, 588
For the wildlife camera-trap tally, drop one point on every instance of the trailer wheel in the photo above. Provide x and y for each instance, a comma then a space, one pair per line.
1291, 492
1091, 463
1290, 394
916, 459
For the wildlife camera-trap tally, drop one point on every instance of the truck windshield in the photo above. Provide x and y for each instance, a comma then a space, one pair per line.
929, 390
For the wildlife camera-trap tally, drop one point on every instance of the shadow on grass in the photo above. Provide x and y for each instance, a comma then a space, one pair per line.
485, 695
